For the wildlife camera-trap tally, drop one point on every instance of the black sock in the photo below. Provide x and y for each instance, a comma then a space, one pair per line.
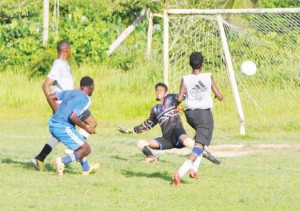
44, 153
147, 151
210, 157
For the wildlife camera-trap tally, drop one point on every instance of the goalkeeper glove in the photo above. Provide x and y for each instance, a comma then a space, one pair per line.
125, 130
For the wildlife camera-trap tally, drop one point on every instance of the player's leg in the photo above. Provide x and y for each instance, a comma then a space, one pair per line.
88, 168
88, 119
38, 161
188, 164
203, 122
211, 158
74, 141
145, 146
188, 142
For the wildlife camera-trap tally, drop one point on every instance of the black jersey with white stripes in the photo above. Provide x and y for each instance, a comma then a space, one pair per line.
166, 115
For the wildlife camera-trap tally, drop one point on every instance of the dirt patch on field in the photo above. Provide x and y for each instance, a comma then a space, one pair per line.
232, 150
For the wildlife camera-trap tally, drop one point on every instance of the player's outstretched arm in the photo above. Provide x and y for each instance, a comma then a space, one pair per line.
215, 90
146, 125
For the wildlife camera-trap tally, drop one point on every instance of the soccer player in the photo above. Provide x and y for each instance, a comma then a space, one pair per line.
174, 135
197, 87
62, 124
59, 79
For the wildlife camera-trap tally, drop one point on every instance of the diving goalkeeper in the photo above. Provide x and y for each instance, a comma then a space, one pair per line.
173, 133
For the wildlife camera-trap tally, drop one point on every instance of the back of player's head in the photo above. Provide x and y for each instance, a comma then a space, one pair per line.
162, 85
196, 60
62, 45
86, 81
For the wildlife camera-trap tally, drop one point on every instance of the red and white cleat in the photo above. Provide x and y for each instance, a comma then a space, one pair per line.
194, 174
176, 179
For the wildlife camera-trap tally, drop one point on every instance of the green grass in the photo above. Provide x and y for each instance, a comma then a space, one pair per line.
266, 181
130, 95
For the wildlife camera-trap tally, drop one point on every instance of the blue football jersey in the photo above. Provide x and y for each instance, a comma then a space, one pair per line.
72, 101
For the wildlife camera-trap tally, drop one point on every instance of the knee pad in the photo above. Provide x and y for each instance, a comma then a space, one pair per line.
197, 151
52, 142
141, 144
83, 133
189, 143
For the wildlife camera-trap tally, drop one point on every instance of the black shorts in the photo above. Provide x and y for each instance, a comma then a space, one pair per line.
171, 142
85, 115
202, 121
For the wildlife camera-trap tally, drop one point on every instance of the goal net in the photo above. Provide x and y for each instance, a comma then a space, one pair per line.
267, 101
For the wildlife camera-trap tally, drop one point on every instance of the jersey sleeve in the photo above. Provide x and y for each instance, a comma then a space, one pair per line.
147, 124
81, 105
60, 95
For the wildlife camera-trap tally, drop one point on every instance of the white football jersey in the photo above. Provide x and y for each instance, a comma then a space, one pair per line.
61, 73
198, 93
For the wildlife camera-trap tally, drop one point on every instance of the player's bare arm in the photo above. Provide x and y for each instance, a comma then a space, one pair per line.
52, 100
91, 121
215, 90
47, 92
74, 118
47, 86
182, 91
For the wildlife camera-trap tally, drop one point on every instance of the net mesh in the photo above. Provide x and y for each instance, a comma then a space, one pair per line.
271, 97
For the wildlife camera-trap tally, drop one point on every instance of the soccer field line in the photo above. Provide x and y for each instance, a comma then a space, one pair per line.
21, 136
263, 168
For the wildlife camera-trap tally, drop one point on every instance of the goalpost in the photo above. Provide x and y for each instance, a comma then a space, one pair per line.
266, 102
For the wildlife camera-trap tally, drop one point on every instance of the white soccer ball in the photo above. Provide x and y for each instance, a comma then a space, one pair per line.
248, 68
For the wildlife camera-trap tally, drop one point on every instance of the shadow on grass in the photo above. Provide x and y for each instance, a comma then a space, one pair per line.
133, 157
26, 165
117, 157
29, 165
162, 175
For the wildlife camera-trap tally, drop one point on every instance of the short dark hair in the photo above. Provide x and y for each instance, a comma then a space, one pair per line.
86, 81
162, 85
196, 60
63, 45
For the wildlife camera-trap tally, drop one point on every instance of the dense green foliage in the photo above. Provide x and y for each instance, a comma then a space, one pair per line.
279, 3
90, 25
230, 4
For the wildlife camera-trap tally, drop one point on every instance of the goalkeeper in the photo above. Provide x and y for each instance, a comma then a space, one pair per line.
174, 135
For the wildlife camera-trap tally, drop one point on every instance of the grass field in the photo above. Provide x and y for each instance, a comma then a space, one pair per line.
259, 181
262, 181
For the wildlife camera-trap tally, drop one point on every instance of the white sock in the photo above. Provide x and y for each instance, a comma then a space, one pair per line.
187, 165
197, 162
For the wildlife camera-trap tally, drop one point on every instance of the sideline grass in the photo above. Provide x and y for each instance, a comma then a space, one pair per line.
130, 95
267, 181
